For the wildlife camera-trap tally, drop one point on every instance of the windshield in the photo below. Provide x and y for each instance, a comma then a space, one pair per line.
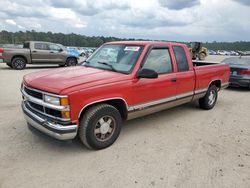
115, 57
237, 61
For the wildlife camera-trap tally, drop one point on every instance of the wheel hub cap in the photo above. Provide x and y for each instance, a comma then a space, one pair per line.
104, 128
211, 97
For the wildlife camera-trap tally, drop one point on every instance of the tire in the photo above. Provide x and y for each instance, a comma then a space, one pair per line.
71, 61
18, 63
209, 100
202, 56
100, 126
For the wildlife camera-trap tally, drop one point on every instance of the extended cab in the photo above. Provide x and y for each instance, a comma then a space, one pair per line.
37, 52
120, 81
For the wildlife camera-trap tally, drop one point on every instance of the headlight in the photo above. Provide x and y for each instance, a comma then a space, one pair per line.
63, 101
52, 100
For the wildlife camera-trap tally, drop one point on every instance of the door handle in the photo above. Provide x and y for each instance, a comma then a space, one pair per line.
34, 51
51, 52
173, 79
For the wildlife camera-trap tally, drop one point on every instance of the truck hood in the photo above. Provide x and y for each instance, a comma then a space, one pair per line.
57, 80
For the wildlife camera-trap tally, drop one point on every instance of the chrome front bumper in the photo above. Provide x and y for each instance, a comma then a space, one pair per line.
58, 131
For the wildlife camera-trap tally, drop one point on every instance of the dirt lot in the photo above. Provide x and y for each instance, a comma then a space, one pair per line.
180, 147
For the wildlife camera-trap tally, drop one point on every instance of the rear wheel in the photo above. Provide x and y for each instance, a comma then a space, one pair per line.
18, 63
100, 126
209, 100
71, 61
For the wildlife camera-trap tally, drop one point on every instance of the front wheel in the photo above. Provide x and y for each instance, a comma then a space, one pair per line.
71, 61
209, 100
100, 126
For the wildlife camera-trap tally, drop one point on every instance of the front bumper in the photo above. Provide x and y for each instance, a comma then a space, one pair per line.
55, 130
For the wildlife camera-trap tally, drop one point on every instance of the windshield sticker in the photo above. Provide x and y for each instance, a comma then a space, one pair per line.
132, 48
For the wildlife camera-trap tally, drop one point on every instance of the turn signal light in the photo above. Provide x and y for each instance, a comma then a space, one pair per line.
65, 114
64, 101
244, 72
1, 50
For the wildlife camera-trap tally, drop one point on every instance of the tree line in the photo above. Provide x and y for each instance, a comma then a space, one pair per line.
73, 39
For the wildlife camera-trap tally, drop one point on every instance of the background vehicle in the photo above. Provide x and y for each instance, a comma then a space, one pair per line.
234, 53
120, 81
37, 52
212, 52
223, 52
72, 51
239, 71
197, 51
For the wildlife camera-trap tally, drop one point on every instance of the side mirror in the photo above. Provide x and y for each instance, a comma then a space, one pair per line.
147, 73
60, 50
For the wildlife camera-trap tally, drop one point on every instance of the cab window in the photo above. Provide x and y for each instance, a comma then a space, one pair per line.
181, 59
159, 60
41, 46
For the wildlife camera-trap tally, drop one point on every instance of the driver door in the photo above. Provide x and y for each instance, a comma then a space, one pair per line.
152, 92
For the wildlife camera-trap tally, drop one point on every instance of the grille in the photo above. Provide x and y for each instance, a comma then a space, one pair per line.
33, 93
39, 108
36, 106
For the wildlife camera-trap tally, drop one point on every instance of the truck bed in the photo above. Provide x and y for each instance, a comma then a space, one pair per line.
204, 63
212, 70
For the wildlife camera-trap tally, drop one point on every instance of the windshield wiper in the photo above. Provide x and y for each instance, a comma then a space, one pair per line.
107, 64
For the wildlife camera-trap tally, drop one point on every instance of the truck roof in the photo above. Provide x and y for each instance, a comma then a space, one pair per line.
144, 43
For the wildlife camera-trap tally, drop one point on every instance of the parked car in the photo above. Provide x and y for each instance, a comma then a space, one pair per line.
37, 52
239, 71
72, 51
212, 52
234, 53
82, 51
223, 52
120, 81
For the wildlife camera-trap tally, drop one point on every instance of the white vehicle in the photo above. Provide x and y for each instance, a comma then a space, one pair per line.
222, 52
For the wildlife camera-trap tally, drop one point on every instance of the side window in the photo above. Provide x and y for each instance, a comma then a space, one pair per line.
181, 58
41, 46
54, 47
159, 60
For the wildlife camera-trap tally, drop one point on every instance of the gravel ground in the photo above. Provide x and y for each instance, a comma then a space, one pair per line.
181, 147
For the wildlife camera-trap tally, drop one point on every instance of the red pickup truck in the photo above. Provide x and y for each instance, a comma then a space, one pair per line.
120, 81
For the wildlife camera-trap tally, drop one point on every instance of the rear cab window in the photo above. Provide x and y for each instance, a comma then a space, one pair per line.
181, 58
41, 46
159, 60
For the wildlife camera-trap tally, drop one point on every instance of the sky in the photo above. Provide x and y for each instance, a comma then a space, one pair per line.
179, 20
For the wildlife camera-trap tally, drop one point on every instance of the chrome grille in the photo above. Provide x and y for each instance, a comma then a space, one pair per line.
33, 93
34, 100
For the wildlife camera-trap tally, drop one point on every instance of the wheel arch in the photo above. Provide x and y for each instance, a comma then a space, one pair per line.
22, 56
72, 57
217, 83
119, 103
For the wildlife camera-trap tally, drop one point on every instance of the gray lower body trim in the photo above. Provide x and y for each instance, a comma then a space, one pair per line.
163, 104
